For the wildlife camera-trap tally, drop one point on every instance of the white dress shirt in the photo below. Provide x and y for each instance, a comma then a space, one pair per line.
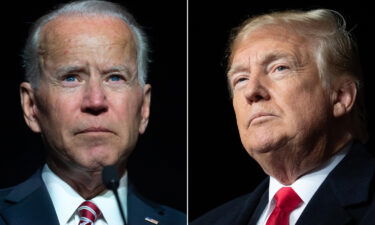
305, 187
66, 200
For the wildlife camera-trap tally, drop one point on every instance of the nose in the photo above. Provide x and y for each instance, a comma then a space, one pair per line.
256, 90
94, 100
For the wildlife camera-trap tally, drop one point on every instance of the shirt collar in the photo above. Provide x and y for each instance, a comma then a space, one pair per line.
308, 184
66, 200
108, 205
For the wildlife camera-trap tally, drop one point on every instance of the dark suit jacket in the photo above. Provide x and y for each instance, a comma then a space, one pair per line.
346, 197
29, 204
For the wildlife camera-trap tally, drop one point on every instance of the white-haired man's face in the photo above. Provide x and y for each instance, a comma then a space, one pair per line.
89, 105
280, 103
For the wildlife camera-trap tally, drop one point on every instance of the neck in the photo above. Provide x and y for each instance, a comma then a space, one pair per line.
289, 163
87, 183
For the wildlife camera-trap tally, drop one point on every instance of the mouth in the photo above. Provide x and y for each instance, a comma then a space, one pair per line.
258, 117
94, 130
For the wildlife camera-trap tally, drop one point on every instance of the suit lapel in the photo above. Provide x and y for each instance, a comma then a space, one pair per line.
141, 211
324, 209
30, 204
259, 209
344, 188
253, 207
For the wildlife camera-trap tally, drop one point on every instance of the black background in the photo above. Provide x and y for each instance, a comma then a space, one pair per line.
158, 166
219, 167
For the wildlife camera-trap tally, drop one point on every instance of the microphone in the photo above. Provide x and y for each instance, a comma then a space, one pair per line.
111, 181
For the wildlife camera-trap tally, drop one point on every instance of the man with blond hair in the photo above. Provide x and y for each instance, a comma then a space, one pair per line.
296, 88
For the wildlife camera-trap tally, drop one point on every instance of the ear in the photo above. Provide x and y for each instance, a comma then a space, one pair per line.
29, 107
145, 110
344, 96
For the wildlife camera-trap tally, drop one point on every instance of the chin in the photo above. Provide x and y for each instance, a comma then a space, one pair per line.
254, 150
94, 164
96, 160
262, 145
99, 155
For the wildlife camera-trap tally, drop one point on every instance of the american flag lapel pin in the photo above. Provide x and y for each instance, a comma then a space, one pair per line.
151, 220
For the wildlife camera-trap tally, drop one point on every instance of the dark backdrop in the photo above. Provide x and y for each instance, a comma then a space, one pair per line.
219, 167
158, 166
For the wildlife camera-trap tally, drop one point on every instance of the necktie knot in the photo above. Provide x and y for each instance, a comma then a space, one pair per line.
287, 199
88, 213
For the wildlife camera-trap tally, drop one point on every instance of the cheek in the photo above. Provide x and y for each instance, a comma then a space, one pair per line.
64, 109
127, 108
58, 111
306, 110
240, 111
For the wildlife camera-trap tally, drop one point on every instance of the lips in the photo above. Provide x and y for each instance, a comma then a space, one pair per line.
94, 130
259, 115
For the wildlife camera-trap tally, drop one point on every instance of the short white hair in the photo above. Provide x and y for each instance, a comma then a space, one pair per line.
85, 7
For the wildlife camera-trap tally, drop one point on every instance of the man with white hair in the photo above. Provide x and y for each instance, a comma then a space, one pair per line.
86, 93
295, 82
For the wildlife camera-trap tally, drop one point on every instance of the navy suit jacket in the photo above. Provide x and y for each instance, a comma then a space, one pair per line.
30, 204
346, 197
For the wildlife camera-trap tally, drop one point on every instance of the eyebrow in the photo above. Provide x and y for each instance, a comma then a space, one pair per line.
264, 60
119, 68
271, 57
70, 69
81, 69
237, 69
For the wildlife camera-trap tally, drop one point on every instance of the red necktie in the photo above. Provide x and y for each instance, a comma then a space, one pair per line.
88, 213
286, 201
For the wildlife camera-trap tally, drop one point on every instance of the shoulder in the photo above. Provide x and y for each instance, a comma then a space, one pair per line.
172, 216
141, 207
236, 211
167, 214
358, 163
3, 196
14, 194
226, 212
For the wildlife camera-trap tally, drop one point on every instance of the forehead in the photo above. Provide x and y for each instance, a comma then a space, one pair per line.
269, 41
72, 32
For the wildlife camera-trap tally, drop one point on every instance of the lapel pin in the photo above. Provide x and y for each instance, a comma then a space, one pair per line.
148, 219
